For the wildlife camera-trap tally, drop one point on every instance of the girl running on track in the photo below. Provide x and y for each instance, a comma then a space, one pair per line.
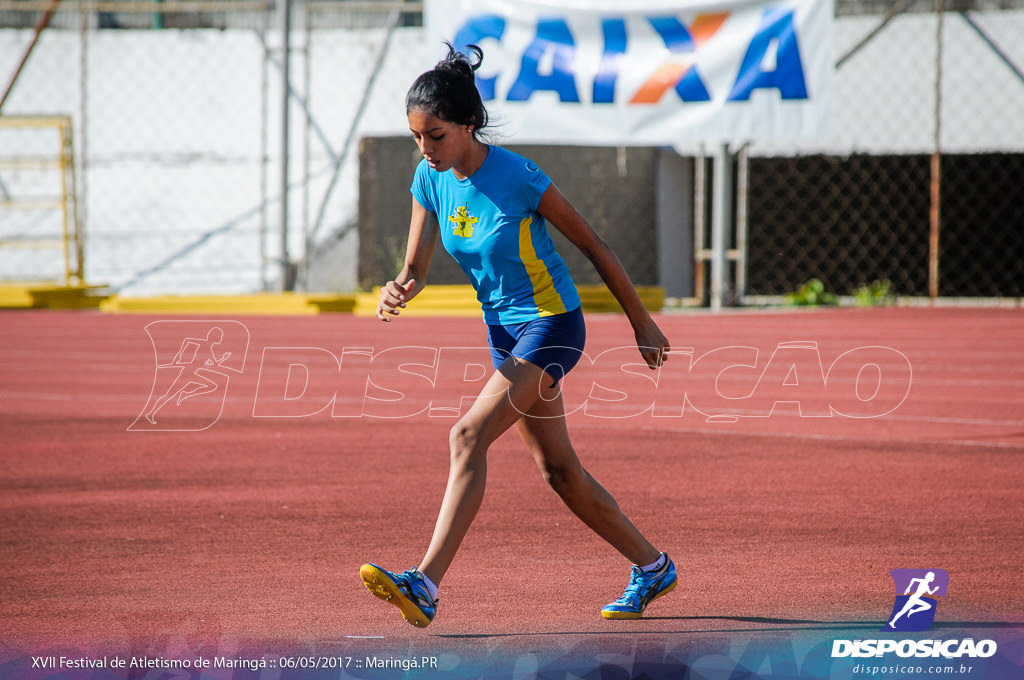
490, 208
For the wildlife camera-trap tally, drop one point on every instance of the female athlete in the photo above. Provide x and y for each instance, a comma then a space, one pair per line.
491, 208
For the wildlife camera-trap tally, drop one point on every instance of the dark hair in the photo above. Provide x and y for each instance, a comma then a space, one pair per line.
448, 91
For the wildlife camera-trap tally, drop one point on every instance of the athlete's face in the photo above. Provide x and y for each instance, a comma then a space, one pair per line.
441, 143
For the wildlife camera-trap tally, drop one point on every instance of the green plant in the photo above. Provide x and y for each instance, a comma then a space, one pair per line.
875, 294
812, 293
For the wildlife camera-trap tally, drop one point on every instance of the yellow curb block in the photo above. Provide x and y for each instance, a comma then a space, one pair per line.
439, 300
598, 299
282, 304
433, 301
461, 301
44, 295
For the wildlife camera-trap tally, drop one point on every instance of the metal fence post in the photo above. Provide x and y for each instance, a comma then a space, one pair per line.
720, 224
286, 282
935, 212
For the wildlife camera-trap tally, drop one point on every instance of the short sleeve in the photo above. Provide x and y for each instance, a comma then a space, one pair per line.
534, 183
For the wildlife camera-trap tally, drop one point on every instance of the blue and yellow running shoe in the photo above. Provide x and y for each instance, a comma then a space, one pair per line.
643, 589
407, 591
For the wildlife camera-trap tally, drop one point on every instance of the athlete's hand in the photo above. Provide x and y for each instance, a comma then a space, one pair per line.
393, 297
652, 343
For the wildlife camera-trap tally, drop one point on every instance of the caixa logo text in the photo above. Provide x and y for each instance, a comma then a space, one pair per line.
553, 60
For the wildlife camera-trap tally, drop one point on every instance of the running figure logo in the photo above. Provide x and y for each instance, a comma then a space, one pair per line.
194, 364
916, 593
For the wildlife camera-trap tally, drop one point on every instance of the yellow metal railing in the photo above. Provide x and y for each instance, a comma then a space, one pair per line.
61, 163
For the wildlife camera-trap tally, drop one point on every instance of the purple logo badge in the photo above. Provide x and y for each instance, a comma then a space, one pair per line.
917, 591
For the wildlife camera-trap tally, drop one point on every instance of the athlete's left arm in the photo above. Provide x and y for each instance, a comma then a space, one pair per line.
560, 212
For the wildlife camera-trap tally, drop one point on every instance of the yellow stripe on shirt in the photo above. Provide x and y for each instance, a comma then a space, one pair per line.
545, 295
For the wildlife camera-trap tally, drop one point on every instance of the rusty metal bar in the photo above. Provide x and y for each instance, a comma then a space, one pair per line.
41, 25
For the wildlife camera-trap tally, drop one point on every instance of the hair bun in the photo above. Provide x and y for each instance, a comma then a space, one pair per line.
462, 63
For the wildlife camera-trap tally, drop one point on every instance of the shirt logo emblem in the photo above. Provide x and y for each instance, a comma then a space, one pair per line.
463, 221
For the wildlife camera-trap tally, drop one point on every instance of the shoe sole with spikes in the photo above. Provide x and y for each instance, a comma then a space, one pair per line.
379, 583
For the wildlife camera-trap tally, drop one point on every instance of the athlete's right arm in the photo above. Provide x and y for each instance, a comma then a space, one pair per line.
423, 233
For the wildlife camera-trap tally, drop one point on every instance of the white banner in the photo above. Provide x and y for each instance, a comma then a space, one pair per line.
647, 72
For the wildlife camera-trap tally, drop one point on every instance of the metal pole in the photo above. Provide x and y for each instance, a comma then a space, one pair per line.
82, 185
934, 213
69, 150
64, 145
285, 17
307, 126
720, 221
264, 153
44, 21
742, 219
699, 222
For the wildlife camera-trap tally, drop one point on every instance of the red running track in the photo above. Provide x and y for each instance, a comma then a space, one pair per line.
239, 518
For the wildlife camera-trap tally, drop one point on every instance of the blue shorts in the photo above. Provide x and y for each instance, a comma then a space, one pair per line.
555, 343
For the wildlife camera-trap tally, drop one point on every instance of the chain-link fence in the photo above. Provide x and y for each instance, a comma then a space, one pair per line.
918, 194
180, 126
168, 129
179, 122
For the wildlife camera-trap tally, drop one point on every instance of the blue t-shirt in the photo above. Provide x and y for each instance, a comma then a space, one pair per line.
490, 225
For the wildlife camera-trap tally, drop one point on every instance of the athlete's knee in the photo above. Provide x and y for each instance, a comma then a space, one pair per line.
466, 444
562, 478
